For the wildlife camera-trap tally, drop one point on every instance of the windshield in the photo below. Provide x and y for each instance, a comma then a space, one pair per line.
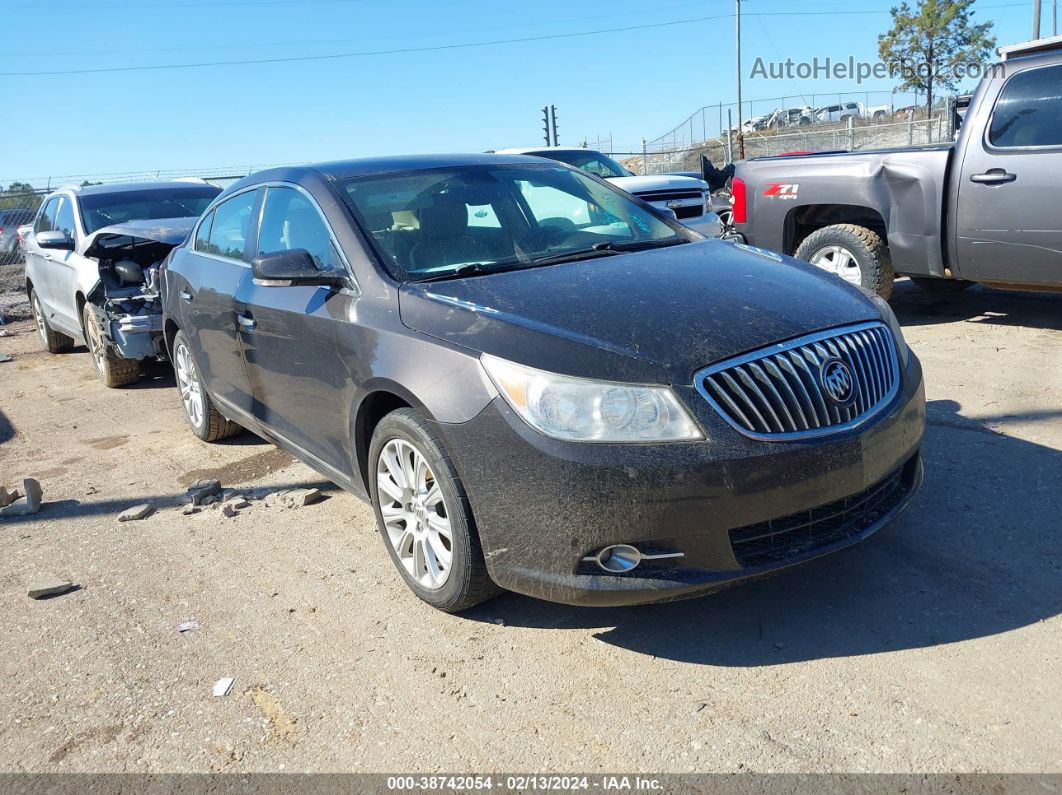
433, 224
105, 209
593, 162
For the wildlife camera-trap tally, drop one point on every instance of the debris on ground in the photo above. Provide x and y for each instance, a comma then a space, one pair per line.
224, 685
5, 333
229, 510
22, 505
137, 512
293, 498
49, 586
190, 509
203, 492
187, 626
5, 357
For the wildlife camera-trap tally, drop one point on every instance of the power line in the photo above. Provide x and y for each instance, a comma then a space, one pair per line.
405, 50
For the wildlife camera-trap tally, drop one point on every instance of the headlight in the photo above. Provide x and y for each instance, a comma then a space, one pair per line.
577, 409
894, 326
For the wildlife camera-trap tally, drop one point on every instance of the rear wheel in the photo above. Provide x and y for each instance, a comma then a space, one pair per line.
113, 370
54, 341
856, 254
203, 417
941, 286
424, 515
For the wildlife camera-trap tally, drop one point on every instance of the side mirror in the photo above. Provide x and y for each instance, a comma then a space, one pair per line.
294, 266
56, 240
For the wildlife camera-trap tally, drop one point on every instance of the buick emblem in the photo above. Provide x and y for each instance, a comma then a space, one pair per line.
674, 204
837, 381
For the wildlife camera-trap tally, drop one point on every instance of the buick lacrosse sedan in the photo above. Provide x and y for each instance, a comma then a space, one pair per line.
541, 383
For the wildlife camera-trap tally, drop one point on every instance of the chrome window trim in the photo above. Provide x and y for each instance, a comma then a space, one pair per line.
781, 347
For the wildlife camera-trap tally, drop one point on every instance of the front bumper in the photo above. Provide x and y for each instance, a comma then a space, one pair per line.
543, 505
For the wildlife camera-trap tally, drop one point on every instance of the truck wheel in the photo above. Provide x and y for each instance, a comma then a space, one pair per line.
203, 417
113, 370
931, 285
855, 253
54, 342
424, 516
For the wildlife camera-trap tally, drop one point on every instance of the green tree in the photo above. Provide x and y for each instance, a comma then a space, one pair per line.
927, 43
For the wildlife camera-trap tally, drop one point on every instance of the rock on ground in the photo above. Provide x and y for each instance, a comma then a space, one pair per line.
49, 586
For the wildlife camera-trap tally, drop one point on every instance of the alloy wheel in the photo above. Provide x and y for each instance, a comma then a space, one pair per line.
838, 261
414, 513
95, 342
38, 315
188, 384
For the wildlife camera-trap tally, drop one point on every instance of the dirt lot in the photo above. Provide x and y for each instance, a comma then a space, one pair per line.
936, 646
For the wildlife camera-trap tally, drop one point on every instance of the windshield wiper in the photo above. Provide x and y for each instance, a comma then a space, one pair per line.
639, 245
573, 256
473, 269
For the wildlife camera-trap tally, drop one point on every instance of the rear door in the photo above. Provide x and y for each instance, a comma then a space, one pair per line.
206, 280
1008, 225
289, 334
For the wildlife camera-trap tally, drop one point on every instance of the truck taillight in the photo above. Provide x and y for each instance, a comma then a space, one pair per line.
738, 199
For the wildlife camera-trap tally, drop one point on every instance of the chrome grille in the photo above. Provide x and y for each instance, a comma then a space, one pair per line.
780, 393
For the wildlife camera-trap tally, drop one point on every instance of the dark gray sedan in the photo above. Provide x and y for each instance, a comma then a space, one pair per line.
540, 383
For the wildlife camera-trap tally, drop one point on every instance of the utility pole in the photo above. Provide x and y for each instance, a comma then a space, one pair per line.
553, 123
1036, 19
740, 131
1054, 17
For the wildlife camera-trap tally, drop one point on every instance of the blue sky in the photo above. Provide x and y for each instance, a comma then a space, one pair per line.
630, 83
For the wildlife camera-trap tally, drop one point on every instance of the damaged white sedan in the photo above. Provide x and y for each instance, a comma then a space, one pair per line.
92, 268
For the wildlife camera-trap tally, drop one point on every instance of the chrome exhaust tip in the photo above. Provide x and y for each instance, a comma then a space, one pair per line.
623, 558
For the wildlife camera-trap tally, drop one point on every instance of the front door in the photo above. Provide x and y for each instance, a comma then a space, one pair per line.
38, 260
1008, 225
289, 335
64, 269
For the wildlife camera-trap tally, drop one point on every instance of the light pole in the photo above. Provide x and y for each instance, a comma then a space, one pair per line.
740, 130
1036, 19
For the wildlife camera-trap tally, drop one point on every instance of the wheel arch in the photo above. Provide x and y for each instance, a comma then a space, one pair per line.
379, 401
808, 218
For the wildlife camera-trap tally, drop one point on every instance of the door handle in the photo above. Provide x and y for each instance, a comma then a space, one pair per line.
247, 323
186, 296
995, 176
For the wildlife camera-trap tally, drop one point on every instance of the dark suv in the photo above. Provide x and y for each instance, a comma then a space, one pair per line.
540, 383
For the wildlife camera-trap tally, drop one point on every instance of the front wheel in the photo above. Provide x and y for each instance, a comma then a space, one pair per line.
854, 253
424, 515
113, 370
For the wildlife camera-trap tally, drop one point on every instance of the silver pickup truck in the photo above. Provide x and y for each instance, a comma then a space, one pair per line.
985, 208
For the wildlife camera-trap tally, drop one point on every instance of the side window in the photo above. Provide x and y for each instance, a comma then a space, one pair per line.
202, 236
1029, 110
289, 221
231, 225
46, 220
64, 218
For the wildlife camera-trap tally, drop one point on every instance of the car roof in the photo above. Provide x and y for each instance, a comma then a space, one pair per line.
546, 150
342, 169
128, 187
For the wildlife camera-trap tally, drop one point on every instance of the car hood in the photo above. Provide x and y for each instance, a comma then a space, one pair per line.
649, 317
655, 182
168, 231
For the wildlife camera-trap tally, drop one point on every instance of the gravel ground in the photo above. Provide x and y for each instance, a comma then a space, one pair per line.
936, 646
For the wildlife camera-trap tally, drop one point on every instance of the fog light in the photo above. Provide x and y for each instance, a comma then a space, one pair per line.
622, 558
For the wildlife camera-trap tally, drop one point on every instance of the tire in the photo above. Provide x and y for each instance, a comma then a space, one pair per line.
870, 265
465, 581
54, 341
941, 286
114, 371
202, 415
